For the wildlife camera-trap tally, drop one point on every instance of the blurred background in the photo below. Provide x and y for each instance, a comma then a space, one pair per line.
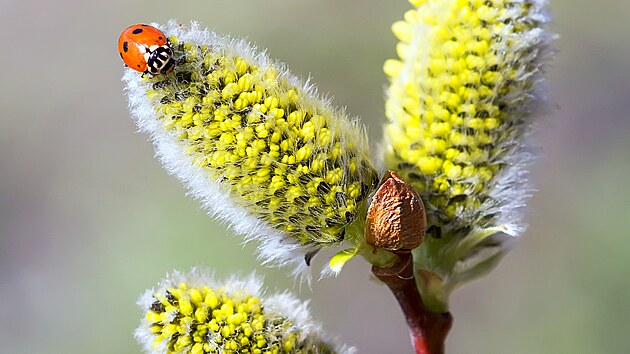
89, 219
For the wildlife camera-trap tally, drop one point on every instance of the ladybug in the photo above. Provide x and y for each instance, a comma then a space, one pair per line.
146, 49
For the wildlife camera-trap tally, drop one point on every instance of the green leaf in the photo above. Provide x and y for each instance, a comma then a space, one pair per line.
339, 260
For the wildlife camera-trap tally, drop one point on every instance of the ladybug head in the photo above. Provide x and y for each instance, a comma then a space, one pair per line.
160, 61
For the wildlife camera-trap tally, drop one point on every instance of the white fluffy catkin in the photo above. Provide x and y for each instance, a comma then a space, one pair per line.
255, 145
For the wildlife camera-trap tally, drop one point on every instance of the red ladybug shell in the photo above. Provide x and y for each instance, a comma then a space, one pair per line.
137, 46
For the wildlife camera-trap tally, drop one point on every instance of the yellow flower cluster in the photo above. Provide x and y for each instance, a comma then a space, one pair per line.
284, 156
198, 320
459, 106
456, 103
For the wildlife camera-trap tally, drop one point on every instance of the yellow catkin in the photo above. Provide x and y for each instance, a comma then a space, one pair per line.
460, 103
283, 155
208, 319
463, 73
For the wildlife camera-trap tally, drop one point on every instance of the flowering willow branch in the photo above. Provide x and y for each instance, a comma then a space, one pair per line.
264, 152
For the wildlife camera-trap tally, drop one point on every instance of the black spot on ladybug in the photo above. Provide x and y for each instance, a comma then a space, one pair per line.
121, 56
138, 65
160, 38
143, 25
137, 31
126, 46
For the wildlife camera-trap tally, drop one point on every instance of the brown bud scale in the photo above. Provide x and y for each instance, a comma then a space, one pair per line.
396, 219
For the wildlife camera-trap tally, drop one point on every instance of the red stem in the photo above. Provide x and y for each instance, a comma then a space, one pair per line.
428, 330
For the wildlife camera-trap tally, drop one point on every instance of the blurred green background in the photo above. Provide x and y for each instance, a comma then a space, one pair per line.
89, 219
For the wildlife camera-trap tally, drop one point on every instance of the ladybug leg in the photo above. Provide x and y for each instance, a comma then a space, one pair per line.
146, 73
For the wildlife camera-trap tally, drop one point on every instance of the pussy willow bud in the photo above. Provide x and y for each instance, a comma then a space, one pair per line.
396, 220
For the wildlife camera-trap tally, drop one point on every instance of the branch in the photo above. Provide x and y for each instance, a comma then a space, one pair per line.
428, 330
